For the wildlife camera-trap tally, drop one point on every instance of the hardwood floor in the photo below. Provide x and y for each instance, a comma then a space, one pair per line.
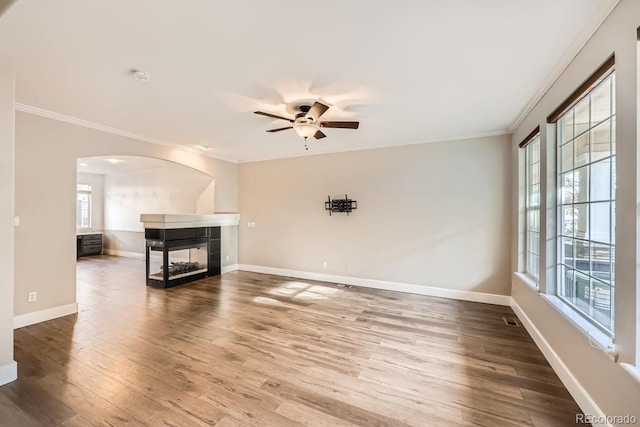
261, 350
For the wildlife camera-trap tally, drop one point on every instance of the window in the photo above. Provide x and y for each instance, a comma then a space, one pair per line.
532, 205
83, 206
586, 206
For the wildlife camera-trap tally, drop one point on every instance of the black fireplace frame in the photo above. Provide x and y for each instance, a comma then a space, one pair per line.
170, 239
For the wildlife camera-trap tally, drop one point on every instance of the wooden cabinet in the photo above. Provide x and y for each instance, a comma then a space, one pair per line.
89, 244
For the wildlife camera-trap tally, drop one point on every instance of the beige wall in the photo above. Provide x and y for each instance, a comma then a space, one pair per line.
430, 214
7, 366
611, 388
46, 153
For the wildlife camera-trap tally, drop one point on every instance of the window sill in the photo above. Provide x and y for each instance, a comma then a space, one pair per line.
596, 337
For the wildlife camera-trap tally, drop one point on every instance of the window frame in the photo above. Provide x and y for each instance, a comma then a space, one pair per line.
604, 73
88, 192
528, 144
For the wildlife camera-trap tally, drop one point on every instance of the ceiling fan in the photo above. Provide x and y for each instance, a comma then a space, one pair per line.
307, 124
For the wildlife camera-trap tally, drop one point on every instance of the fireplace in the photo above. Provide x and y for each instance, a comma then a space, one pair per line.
181, 255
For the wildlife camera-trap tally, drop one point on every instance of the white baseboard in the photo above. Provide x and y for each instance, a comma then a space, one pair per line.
384, 285
582, 398
44, 315
116, 252
8, 372
229, 268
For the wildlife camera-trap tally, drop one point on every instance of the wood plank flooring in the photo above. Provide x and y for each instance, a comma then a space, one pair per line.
247, 349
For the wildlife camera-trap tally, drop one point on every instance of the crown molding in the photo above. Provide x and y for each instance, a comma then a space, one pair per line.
108, 129
601, 13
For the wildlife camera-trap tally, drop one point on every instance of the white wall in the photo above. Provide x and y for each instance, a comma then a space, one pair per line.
597, 383
47, 205
8, 369
173, 189
170, 190
97, 198
432, 215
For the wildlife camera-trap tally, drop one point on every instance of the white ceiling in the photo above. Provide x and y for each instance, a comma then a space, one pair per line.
410, 71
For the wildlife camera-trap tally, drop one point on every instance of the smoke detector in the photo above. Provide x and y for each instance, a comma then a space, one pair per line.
140, 75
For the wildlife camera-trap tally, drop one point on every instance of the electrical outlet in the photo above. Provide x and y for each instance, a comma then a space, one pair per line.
347, 267
33, 296
226, 258
324, 264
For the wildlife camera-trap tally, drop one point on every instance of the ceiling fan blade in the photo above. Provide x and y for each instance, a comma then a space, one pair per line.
262, 113
279, 129
317, 109
319, 135
343, 125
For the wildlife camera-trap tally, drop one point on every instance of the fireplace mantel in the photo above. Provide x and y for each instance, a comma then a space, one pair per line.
171, 221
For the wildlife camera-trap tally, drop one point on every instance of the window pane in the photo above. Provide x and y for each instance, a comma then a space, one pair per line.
613, 135
602, 303
566, 127
534, 173
601, 102
601, 262
567, 188
582, 116
581, 221
582, 292
582, 150
569, 220
601, 141
599, 220
534, 195
567, 287
567, 251
532, 267
535, 150
601, 180
581, 184
533, 240
582, 256
566, 156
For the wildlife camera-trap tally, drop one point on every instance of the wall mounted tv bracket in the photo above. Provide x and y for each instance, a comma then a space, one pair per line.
345, 205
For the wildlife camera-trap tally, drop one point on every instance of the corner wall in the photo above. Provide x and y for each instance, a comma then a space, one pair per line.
430, 217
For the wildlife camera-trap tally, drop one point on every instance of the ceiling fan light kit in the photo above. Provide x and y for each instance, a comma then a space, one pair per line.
307, 123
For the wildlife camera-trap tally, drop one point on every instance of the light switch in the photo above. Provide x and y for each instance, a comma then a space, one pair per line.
16, 220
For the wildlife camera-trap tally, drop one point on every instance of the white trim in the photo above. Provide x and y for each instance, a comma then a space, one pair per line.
8, 372
126, 254
582, 398
44, 315
384, 285
229, 268
603, 10
125, 230
108, 129
172, 221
